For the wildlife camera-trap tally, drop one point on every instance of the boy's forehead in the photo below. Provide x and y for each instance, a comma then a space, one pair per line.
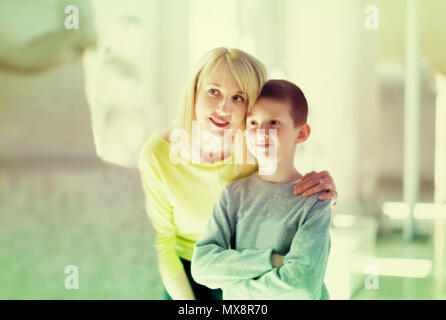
267, 106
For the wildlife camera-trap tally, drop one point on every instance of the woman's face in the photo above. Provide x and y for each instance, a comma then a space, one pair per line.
220, 105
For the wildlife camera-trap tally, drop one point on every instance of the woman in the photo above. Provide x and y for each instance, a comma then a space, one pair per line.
180, 195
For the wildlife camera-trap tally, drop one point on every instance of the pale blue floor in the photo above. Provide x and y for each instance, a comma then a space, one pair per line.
92, 216
396, 288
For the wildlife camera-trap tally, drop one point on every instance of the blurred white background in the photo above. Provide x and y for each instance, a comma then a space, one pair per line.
76, 106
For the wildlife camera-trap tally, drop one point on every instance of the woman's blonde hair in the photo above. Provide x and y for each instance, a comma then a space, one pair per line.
249, 73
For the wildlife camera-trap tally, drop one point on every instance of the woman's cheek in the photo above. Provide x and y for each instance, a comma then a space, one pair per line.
240, 114
199, 106
204, 101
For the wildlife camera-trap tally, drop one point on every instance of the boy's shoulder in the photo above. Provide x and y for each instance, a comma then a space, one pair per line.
314, 199
312, 206
314, 203
246, 188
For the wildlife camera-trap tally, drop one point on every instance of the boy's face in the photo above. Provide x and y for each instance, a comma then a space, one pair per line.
270, 114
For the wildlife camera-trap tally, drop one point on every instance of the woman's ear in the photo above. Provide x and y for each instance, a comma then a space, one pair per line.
304, 133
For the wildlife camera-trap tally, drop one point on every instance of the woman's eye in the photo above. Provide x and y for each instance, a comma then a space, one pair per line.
274, 122
214, 92
239, 99
252, 122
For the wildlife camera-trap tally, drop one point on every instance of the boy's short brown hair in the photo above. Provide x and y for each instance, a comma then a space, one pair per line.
287, 92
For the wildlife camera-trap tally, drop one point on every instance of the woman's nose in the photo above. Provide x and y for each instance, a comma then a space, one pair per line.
224, 107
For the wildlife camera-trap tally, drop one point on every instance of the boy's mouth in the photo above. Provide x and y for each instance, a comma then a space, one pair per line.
219, 122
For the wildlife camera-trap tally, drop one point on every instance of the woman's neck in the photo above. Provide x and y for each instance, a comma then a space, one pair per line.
213, 150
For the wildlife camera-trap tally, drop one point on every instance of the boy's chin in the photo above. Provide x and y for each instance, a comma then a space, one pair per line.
264, 157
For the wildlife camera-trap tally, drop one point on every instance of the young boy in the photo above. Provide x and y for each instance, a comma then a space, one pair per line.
262, 241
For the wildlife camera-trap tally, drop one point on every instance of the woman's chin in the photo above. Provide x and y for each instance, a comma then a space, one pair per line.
220, 133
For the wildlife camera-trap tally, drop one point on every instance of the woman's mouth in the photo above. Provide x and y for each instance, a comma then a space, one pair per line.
218, 122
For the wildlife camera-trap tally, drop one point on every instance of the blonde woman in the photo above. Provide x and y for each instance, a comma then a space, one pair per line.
180, 194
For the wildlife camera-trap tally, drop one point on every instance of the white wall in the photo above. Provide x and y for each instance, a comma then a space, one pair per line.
134, 77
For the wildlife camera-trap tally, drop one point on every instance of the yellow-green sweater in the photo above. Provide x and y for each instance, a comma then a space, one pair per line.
180, 198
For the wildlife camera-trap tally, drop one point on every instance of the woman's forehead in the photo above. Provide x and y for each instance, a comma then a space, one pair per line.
221, 76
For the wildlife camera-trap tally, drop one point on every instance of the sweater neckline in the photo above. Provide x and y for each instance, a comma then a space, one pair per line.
272, 184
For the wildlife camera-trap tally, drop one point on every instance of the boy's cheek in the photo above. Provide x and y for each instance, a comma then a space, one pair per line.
250, 140
249, 131
250, 135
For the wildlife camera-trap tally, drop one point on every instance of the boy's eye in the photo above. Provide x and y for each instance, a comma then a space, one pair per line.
213, 92
274, 122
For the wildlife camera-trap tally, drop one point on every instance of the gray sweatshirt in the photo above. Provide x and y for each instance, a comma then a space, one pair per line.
253, 219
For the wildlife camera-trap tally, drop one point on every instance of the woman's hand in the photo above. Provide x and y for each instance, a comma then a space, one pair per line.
179, 287
314, 182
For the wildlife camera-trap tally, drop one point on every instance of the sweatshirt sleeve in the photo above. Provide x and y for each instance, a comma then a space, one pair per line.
214, 263
302, 273
160, 212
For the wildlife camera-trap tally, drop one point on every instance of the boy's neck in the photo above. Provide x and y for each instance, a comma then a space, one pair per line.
285, 173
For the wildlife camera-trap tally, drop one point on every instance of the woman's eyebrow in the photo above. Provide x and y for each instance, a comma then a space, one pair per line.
218, 85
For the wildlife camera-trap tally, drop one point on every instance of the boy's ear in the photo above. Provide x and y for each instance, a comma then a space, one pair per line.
304, 133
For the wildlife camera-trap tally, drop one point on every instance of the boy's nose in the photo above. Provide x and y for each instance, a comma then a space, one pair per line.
262, 132
265, 127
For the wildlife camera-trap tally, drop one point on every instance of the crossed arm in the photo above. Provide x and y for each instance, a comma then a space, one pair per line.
303, 270
214, 263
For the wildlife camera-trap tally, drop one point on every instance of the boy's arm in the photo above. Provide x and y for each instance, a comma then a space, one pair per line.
214, 264
303, 270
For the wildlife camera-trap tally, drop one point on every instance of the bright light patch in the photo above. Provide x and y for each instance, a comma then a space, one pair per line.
400, 210
396, 210
343, 220
410, 268
430, 211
